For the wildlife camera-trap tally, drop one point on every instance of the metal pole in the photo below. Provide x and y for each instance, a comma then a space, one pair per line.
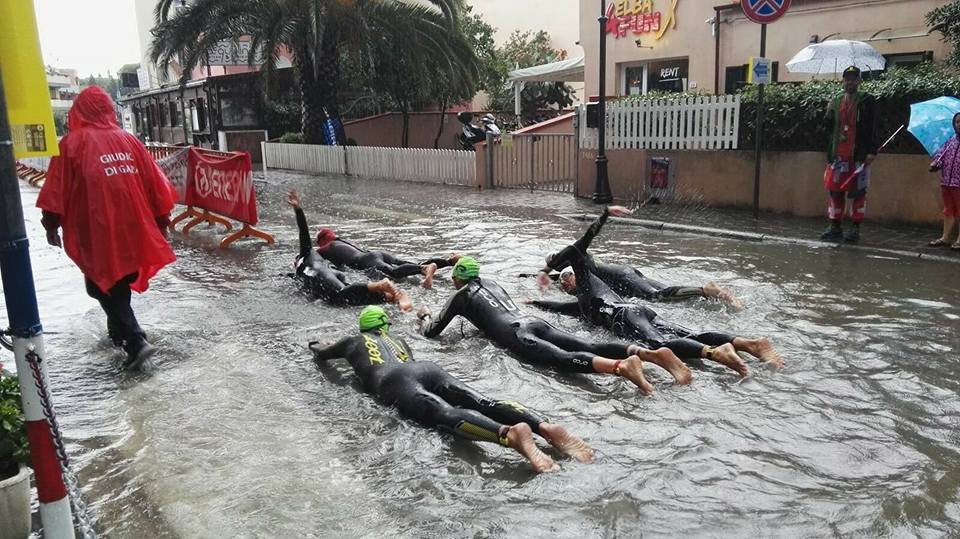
759, 141
27, 333
601, 194
489, 160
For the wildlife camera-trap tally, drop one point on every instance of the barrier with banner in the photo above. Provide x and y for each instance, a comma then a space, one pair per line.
218, 183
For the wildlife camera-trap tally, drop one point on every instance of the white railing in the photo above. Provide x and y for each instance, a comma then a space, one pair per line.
451, 167
39, 163
689, 123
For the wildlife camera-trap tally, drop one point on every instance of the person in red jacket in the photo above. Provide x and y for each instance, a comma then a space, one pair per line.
113, 203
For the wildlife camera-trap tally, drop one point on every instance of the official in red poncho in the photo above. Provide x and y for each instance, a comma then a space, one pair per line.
113, 203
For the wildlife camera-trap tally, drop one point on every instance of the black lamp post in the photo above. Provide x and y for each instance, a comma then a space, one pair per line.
601, 194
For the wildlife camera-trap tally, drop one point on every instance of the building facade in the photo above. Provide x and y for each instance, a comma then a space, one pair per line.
704, 45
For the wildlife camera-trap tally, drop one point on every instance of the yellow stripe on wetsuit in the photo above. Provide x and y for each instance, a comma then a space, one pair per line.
481, 433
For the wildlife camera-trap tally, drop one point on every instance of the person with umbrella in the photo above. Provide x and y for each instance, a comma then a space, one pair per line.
852, 148
945, 160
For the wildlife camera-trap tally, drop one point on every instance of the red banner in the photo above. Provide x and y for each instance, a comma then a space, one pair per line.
223, 185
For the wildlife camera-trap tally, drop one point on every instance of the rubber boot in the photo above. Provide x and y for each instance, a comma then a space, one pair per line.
853, 235
834, 233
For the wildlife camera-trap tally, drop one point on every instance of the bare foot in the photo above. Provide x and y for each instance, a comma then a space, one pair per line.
520, 437
632, 369
726, 355
666, 359
403, 300
762, 349
712, 290
567, 443
428, 272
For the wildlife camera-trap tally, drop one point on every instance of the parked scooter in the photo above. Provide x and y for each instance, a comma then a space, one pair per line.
472, 134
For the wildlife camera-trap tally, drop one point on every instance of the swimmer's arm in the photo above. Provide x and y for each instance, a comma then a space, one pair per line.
570, 308
305, 244
432, 328
336, 350
584, 242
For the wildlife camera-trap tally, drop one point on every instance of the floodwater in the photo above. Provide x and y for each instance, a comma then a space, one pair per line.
238, 434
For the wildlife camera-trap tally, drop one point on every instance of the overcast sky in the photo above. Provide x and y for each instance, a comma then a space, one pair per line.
91, 36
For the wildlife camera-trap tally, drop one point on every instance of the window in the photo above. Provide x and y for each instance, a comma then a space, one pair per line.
668, 76
736, 77
198, 113
908, 59
164, 117
175, 117
633, 78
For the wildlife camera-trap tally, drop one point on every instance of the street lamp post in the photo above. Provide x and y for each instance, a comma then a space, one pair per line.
601, 194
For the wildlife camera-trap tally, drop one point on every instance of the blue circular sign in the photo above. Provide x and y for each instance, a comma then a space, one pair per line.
764, 11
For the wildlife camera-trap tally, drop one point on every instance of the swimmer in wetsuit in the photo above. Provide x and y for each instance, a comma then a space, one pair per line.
425, 392
625, 280
343, 253
327, 283
598, 304
488, 307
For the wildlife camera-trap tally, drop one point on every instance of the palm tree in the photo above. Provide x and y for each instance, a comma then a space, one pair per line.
316, 33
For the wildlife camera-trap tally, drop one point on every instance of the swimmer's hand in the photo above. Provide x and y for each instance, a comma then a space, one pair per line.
618, 211
53, 238
293, 198
543, 281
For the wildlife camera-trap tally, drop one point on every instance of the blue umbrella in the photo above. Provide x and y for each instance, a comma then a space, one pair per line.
931, 122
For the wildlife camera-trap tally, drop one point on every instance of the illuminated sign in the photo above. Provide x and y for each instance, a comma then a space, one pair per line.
638, 18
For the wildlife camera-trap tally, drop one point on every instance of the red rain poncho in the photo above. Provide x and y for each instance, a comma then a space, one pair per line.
110, 196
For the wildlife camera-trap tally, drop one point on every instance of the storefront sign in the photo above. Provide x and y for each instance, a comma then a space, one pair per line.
229, 53
223, 185
638, 17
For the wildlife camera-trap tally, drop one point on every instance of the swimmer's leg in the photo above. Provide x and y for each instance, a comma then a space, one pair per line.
432, 410
512, 413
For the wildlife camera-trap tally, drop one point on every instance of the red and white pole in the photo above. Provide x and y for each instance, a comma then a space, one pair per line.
55, 511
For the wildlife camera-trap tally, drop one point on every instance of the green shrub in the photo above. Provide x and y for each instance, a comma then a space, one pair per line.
13, 434
795, 113
292, 138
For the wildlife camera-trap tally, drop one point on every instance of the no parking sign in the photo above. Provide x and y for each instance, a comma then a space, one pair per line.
764, 11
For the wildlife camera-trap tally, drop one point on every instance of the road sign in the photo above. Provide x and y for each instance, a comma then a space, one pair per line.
759, 71
764, 11
25, 81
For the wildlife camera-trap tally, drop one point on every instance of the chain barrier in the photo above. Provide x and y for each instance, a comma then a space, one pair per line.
80, 515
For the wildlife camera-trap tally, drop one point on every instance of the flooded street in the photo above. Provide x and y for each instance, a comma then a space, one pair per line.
238, 434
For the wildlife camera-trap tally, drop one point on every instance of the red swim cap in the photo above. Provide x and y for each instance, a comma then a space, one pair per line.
324, 238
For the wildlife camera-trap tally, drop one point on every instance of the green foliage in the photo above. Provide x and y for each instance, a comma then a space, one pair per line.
292, 138
795, 114
13, 435
317, 35
110, 84
526, 49
946, 20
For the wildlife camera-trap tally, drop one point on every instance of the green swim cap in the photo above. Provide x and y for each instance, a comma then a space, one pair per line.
466, 268
373, 317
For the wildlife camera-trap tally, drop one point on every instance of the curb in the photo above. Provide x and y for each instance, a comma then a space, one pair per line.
664, 226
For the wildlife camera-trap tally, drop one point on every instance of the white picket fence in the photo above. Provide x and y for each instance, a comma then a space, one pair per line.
689, 123
305, 157
450, 167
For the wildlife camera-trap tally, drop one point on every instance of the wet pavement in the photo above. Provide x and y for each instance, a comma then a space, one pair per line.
237, 433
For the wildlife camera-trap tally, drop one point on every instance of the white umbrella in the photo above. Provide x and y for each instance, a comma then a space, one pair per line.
834, 56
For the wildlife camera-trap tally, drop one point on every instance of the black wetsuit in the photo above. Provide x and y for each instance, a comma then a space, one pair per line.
323, 280
343, 253
488, 307
600, 305
624, 280
425, 392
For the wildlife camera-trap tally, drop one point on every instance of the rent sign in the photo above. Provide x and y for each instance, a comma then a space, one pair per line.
639, 17
222, 185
